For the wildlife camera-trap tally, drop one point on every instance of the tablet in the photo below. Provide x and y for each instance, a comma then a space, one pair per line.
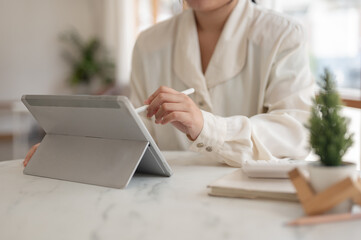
97, 140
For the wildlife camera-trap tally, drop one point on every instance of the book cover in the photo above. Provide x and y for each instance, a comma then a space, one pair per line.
238, 185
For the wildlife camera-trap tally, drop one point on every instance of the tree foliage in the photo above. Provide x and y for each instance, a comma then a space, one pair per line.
328, 129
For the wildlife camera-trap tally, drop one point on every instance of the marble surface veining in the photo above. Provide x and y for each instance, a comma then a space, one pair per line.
150, 207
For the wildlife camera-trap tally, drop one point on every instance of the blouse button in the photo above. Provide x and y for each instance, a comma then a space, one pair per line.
209, 149
200, 145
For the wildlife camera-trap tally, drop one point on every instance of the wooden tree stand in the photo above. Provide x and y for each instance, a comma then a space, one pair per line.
318, 203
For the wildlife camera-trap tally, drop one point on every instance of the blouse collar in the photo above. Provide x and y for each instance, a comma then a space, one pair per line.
228, 58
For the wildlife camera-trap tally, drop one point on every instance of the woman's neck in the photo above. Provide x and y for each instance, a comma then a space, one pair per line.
214, 20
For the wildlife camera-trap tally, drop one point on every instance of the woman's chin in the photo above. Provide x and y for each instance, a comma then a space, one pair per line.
206, 5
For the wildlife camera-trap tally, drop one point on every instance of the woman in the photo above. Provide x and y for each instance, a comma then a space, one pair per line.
251, 75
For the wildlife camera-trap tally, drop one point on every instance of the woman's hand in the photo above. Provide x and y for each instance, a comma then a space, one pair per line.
170, 106
30, 154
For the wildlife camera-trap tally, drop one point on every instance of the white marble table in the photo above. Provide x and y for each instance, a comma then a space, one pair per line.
150, 208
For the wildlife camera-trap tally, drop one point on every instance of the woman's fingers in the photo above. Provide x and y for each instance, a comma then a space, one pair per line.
166, 108
170, 106
163, 98
161, 89
183, 117
30, 154
186, 122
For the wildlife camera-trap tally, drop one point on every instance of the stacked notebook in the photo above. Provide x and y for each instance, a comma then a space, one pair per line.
237, 184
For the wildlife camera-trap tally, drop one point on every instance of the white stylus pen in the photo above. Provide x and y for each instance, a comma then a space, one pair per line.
143, 108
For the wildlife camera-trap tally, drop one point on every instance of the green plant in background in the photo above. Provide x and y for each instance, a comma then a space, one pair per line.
328, 129
88, 60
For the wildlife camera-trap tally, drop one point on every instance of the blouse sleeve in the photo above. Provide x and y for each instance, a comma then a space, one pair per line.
277, 133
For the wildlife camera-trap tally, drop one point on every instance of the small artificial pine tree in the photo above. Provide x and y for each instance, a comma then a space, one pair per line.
328, 129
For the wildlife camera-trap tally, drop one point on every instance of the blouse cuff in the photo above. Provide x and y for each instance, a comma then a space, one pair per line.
213, 134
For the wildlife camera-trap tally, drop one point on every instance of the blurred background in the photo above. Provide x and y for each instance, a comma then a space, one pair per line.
85, 47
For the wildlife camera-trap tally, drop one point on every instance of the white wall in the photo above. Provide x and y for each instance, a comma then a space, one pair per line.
30, 60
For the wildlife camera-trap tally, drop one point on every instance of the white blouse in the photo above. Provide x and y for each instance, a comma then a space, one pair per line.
255, 95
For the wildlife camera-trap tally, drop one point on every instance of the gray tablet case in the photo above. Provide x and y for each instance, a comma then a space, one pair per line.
97, 140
